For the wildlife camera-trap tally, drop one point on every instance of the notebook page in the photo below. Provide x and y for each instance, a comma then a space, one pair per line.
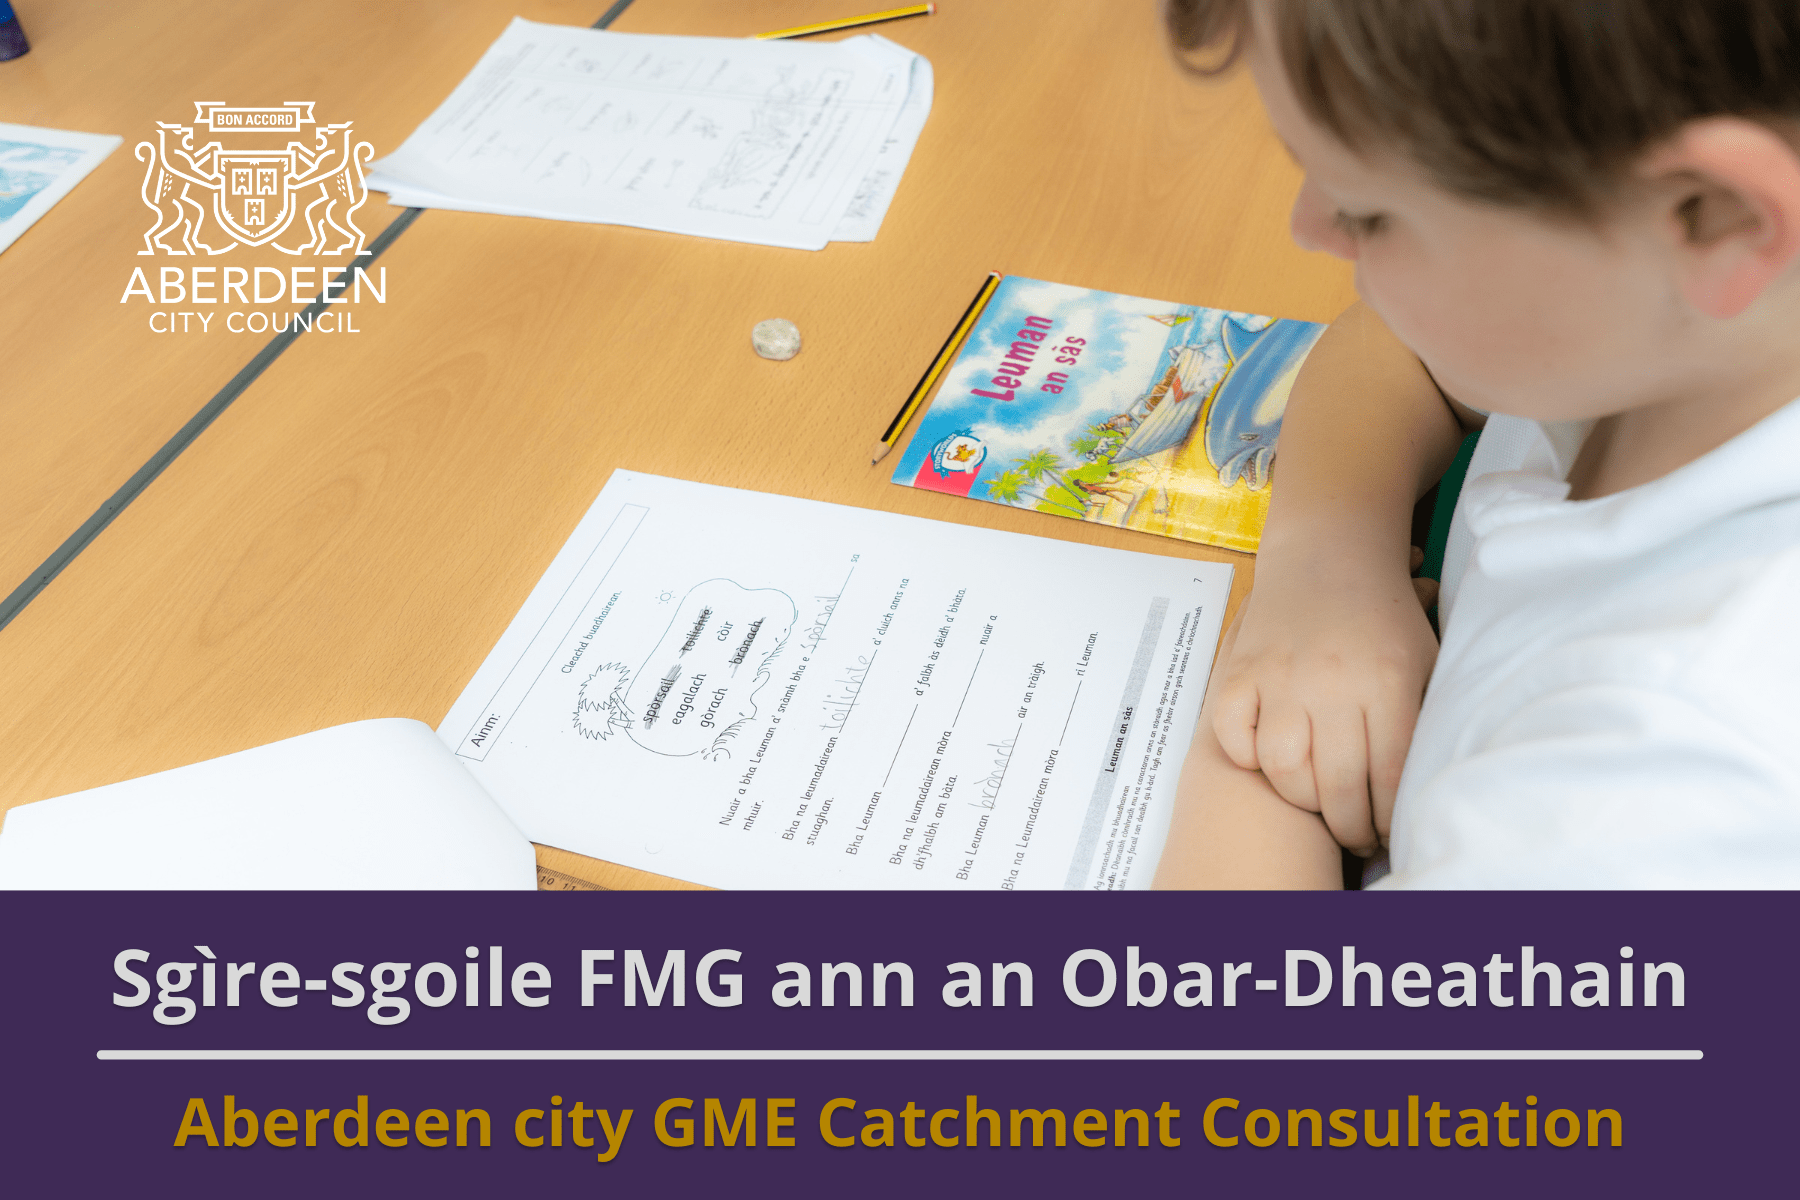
371, 805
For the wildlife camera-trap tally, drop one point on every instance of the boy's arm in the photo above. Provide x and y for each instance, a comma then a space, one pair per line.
1323, 688
1231, 829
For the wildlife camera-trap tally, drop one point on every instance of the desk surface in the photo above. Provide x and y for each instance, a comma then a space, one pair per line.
90, 391
351, 537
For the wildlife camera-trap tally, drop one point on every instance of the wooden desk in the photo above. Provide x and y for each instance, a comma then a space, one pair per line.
350, 540
88, 390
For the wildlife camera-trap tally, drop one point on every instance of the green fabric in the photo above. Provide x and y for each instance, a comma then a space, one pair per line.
1449, 488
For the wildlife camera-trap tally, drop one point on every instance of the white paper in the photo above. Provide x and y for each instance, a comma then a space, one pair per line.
765, 142
757, 691
369, 805
38, 167
868, 207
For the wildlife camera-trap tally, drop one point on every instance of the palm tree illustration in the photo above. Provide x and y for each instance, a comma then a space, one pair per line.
1047, 464
1097, 441
1007, 488
1086, 444
1011, 487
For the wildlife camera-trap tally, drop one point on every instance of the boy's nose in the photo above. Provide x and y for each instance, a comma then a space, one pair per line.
1314, 224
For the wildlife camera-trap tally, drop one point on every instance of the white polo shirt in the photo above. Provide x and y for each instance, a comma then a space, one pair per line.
1617, 700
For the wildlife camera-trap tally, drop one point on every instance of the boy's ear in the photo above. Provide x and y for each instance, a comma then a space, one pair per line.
1730, 191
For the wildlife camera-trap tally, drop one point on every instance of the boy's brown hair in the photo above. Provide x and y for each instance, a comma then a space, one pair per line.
1537, 103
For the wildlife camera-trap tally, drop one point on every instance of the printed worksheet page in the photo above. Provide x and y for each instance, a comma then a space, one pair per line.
748, 690
769, 142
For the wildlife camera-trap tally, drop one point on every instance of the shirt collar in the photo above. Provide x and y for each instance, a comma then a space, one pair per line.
1523, 520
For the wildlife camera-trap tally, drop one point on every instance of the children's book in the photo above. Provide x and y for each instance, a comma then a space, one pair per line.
1119, 410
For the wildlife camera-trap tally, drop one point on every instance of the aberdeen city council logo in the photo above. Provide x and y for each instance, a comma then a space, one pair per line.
244, 187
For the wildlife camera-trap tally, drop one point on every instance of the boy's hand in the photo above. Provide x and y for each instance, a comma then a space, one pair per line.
1323, 686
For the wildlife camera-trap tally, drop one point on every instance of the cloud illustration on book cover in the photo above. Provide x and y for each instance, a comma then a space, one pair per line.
698, 687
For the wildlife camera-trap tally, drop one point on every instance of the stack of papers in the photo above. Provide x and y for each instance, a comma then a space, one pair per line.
773, 142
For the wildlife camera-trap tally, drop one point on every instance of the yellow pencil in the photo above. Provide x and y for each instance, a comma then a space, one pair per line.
957, 336
892, 14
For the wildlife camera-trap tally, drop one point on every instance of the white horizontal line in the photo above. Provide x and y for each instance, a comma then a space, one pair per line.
686, 1054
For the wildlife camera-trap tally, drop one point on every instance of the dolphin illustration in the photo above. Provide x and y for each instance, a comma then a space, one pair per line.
1244, 418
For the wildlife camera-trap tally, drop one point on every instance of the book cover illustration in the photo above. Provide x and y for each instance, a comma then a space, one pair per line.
1114, 409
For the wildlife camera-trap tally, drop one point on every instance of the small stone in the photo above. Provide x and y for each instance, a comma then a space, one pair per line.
776, 339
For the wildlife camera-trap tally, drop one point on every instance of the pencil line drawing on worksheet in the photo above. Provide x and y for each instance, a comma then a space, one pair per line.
705, 672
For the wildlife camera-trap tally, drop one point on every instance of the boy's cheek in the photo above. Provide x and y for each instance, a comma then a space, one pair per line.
1553, 354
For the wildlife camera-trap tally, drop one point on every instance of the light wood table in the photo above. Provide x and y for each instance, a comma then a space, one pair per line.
88, 392
349, 540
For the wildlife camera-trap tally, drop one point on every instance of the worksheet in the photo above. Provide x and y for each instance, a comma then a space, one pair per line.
869, 203
747, 690
770, 142
38, 167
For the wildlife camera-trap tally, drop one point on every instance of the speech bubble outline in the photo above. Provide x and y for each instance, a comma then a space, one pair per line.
697, 688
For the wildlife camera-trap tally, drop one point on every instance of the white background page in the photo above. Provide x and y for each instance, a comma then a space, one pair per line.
370, 805
749, 690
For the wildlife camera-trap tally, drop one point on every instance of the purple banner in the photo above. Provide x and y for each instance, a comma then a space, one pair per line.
291, 1043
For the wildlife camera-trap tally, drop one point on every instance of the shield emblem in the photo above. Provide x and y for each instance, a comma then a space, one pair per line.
253, 200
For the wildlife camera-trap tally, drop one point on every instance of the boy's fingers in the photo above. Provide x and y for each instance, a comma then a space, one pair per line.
1234, 724
1340, 754
1284, 751
1416, 559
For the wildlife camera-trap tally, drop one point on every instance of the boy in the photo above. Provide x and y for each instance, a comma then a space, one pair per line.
1582, 218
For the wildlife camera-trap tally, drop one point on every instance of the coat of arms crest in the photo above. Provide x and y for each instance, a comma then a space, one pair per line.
213, 198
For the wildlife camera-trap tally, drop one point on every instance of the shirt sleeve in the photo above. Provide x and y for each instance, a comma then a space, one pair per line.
1607, 786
